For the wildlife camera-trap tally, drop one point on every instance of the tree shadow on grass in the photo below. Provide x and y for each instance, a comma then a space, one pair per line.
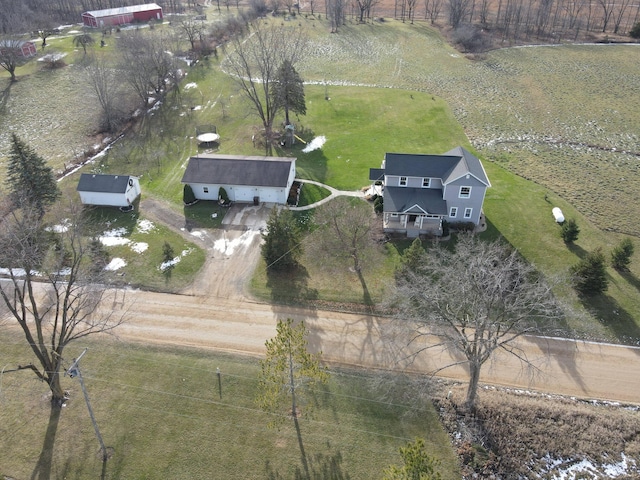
366, 296
631, 279
577, 250
4, 97
43, 467
321, 467
290, 286
615, 318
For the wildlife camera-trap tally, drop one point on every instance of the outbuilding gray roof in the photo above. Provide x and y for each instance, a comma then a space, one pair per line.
238, 170
103, 183
448, 167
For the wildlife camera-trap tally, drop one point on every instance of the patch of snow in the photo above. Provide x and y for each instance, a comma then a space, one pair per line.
115, 264
174, 261
17, 272
145, 226
60, 228
315, 144
197, 107
228, 247
198, 233
139, 247
114, 241
116, 232
190, 85
564, 469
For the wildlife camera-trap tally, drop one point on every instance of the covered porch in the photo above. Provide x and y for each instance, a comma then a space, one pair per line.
413, 224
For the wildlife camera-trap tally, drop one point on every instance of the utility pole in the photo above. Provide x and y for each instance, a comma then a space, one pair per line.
74, 371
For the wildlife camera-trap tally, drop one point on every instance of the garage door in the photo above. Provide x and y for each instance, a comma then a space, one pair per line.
243, 194
269, 195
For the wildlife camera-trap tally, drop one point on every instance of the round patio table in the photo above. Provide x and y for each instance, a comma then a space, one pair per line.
208, 137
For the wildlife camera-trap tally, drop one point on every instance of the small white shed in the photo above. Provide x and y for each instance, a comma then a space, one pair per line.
108, 190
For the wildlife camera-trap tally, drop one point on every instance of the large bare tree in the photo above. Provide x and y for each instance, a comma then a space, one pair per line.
104, 84
52, 290
254, 64
10, 54
476, 300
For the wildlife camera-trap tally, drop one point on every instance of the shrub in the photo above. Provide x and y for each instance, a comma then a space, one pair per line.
621, 254
223, 196
471, 39
635, 31
570, 231
188, 197
463, 226
378, 205
589, 275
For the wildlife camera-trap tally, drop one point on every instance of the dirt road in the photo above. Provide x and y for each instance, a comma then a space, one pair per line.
215, 313
579, 369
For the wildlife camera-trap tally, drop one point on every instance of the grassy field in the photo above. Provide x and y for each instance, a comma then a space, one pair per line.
161, 412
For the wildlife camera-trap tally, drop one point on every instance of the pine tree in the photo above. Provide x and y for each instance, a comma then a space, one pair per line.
288, 91
570, 231
281, 249
30, 180
621, 254
418, 465
590, 275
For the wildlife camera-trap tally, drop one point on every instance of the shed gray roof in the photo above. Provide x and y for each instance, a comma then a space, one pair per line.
238, 170
103, 183
448, 167
403, 200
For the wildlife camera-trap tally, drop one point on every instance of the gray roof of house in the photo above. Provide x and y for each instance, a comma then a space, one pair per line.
238, 170
376, 174
403, 200
103, 183
448, 167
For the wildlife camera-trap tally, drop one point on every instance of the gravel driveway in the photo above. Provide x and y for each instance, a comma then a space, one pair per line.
232, 251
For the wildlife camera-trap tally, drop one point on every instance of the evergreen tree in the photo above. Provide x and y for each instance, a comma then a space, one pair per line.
288, 91
412, 259
621, 254
570, 231
288, 369
30, 180
281, 249
188, 197
418, 465
590, 275
635, 31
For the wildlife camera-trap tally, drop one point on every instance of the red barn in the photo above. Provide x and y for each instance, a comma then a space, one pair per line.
18, 47
122, 15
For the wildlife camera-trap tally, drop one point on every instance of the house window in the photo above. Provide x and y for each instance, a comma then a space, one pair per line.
394, 215
453, 213
468, 212
205, 189
426, 182
403, 181
465, 192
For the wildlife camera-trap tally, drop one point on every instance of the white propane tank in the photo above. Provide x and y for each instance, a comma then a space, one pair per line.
557, 214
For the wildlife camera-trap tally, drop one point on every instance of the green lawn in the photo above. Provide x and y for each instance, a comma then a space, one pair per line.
160, 410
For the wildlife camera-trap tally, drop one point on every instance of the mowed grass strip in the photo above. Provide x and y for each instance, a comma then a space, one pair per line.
160, 409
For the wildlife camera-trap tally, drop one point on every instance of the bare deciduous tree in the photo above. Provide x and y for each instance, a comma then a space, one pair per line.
10, 55
254, 64
475, 301
104, 83
53, 290
335, 13
346, 227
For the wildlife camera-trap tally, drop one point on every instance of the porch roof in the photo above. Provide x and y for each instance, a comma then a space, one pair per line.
405, 200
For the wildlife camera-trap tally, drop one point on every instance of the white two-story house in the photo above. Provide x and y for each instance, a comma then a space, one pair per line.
420, 191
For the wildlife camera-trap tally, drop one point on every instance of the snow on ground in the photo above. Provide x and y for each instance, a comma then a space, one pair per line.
198, 233
145, 226
114, 237
61, 227
115, 264
227, 247
565, 469
172, 263
315, 144
190, 85
139, 247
